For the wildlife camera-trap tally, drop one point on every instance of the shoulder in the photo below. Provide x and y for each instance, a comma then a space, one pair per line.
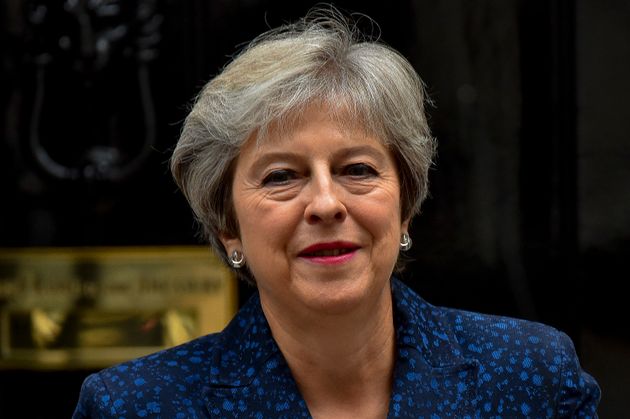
522, 368
486, 334
524, 359
168, 379
470, 334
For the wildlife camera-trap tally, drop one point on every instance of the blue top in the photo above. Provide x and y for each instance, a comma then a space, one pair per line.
450, 363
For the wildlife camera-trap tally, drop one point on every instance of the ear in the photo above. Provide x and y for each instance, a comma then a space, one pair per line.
404, 227
230, 242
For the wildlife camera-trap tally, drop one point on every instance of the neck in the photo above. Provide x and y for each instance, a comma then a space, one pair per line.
341, 362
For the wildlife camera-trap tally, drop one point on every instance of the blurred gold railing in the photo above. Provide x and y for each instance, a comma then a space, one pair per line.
92, 307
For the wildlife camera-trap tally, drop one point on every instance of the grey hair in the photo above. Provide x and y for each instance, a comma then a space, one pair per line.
322, 59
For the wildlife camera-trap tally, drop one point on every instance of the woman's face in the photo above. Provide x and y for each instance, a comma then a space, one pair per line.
319, 216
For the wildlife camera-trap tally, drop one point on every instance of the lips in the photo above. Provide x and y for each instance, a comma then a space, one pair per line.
327, 252
331, 252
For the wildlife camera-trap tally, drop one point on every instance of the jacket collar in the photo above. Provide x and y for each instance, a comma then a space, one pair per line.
249, 373
431, 375
424, 328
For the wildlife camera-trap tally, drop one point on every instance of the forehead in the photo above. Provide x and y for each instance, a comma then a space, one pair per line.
336, 120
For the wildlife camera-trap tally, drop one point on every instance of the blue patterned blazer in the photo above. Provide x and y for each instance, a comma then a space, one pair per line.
450, 363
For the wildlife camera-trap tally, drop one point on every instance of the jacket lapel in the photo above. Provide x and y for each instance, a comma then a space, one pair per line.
250, 377
431, 377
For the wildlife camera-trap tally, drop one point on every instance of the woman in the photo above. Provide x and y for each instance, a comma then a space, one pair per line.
304, 161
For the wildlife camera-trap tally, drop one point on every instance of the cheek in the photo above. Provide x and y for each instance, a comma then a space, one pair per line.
383, 223
381, 219
265, 227
381, 212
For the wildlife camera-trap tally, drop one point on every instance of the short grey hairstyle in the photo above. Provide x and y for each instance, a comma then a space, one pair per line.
323, 59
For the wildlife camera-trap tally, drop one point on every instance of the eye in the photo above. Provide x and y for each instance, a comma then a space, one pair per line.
279, 177
359, 170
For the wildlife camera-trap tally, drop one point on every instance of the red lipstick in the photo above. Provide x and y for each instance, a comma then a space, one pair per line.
330, 253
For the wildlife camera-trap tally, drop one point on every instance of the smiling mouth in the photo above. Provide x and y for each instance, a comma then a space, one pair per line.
328, 252
337, 251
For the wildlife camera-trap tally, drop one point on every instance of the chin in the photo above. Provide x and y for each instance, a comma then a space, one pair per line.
341, 296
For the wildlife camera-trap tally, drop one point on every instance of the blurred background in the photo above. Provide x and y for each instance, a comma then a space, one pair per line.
529, 214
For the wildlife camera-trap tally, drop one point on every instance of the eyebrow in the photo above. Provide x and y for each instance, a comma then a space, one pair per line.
268, 158
289, 157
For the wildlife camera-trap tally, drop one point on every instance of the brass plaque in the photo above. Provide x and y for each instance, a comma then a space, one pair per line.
93, 307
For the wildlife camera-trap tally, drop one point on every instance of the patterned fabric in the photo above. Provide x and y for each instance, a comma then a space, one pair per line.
450, 363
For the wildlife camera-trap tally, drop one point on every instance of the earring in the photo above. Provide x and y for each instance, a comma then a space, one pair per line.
237, 259
405, 242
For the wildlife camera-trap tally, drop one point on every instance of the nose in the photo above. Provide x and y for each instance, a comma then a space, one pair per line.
324, 202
